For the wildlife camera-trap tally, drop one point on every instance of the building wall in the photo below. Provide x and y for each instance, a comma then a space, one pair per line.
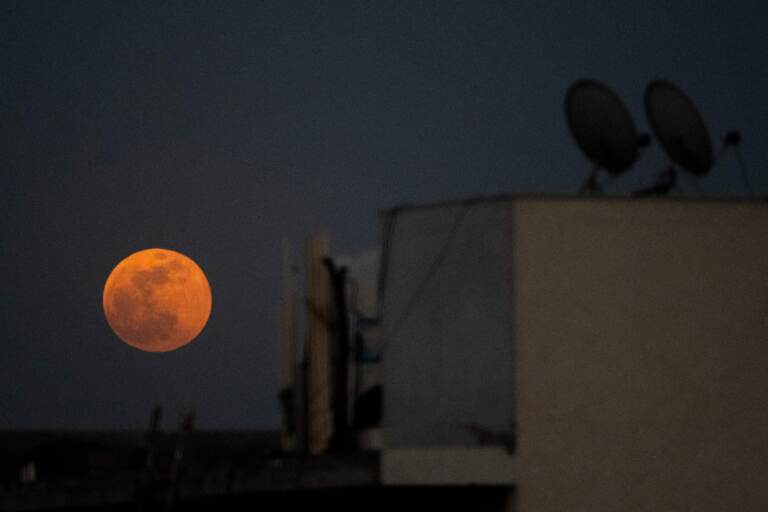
642, 364
446, 327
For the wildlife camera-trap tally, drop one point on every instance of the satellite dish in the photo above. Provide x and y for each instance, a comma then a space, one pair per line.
679, 127
602, 127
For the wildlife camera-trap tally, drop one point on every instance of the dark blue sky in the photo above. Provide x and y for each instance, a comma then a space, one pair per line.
217, 128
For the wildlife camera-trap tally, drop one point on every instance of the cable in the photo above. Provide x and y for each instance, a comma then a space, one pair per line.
733, 140
434, 267
744, 172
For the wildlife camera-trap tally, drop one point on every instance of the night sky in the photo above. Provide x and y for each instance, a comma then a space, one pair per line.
219, 128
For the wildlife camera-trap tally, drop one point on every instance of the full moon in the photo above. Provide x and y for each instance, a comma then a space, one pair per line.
157, 300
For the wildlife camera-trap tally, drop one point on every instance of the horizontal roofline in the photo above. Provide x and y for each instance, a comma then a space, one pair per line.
497, 198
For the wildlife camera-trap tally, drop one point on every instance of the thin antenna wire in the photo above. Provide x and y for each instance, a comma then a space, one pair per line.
733, 140
719, 154
744, 171
434, 267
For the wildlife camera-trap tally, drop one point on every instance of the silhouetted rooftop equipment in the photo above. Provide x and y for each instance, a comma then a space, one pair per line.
679, 127
681, 131
603, 128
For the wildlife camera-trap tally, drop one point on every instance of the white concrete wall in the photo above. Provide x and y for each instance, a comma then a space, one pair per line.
641, 338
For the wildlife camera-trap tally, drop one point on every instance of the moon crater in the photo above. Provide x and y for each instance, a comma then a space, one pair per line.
157, 300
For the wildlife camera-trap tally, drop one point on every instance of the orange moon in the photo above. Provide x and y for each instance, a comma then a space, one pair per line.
157, 300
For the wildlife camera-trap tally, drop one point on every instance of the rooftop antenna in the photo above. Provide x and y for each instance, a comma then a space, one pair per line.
732, 139
680, 129
604, 130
